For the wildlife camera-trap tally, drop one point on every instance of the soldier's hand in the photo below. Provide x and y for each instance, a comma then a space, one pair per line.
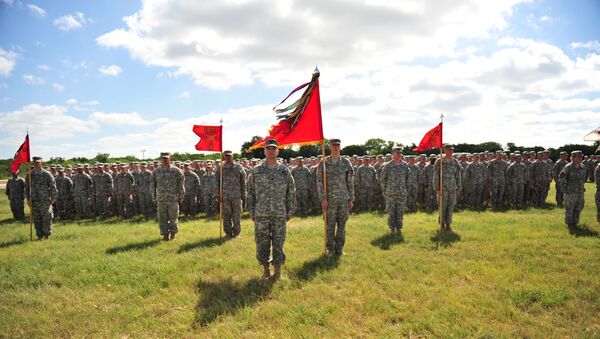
180, 200
288, 217
350, 205
253, 218
51, 201
29, 202
324, 204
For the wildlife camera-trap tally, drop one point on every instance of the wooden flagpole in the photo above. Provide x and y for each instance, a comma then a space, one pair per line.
29, 202
325, 194
221, 185
441, 176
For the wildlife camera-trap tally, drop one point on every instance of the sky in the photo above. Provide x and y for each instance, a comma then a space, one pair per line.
119, 77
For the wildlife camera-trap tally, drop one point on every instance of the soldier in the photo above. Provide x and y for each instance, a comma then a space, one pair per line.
64, 186
15, 191
124, 185
597, 179
496, 172
430, 198
41, 193
366, 179
234, 193
144, 186
271, 202
539, 175
135, 197
82, 192
302, 179
474, 179
168, 192
549, 165
209, 185
192, 187
394, 182
517, 178
103, 192
556, 169
573, 178
200, 172
421, 179
337, 197
451, 183
462, 194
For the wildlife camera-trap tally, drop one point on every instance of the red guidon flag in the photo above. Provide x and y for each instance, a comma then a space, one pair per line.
300, 122
22, 156
432, 139
211, 138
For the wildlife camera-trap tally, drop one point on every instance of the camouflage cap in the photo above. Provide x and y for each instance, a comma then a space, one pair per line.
52, 166
563, 153
577, 153
37, 159
499, 152
69, 167
59, 167
546, 151
396, 148
186, 165
300, 158
165, 154
448, 146
81, 166
228, 152
143, 163
335, 141
271, 143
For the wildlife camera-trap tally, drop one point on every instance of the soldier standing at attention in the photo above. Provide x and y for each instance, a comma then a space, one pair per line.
209, 184
339, 199
125, 184
517, 178
451, 184
234, 193
474, 179
394, 182
413, 184
15, 191
192, 187
496, 171
41, 193
271, 202
597, 179
144, 185
64, 185
302, 179
366, 178
82, 192
103, 191
168, 192
573, 178
556, 169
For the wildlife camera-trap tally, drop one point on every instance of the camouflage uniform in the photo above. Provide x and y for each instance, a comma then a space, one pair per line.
394, 182
430, 196
234, 192
15, 191
340, 191
124, 186
451, 184
474, 180
82, 192
144, 188
421, 200
209, 185
40, 191
167, 188
192, 187
597, 179
539, 175
496, 171
64, 186
517, 178
573, 178
271, 199
103, 191
135, 196
200, 172
558, 167
413, 186
303, 180
366, 179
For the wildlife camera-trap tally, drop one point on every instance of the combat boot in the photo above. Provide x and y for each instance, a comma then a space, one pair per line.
277, 273
267, 271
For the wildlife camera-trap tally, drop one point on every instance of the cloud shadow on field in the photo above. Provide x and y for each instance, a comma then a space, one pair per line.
445, 238
136, 246
227, 297
210, 242
581, 231
12, 243
386, 241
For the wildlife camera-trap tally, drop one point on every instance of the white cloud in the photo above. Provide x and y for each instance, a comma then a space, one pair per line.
91, 103
8, 2
223, 44
58, 87
8, 59
33, 80
72, 102
112, 70
133, 118
72, 21
36, 10
184, 95
593, 45
44, 67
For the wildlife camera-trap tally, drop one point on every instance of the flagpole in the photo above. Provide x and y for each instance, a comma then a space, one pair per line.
29, 188
325, 194
441, 176
221, 186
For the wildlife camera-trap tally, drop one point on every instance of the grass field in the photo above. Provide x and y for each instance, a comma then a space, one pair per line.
502, 274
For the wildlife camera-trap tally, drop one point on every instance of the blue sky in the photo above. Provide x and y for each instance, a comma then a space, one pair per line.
121, 76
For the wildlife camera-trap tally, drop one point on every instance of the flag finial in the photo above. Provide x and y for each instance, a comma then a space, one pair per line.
316, 70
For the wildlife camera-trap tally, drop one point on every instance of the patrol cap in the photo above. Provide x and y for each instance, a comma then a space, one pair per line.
499, 152
540, 152
271, 143
546, 151
165, 154
59, 167
577, 154
37, 159
226, 153
334, 141
143, 163
397, 148
432, 156
563, 153
300, 158
422, 156
81, 166
209, 165
186, 165
517, 155
448, 146
52, 166
69, 167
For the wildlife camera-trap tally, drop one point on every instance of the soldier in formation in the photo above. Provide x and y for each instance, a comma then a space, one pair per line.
234, 193
15, 191
41, 193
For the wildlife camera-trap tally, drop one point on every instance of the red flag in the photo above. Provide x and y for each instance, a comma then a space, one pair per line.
432, 139
22, 156
211, 138
300, 123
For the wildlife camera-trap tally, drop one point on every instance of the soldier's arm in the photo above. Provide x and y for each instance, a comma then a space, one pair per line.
350, 181
153, 185
319, 179
251, 198
436, 176
290, 196
180, 185
243, 184
7, 192
52, 187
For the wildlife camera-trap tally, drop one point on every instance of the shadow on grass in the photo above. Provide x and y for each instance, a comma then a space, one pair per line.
136, 246
386, 241
11, 220
309, 269
210, 242
12, 243
226, 297
445, 238
583, 231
